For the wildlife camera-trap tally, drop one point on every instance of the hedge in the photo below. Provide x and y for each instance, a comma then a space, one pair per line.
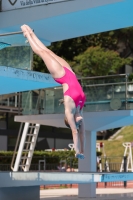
50, 157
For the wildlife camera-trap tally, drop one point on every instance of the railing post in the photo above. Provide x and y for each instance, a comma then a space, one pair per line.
125, 169
19, 102
0, 5
126, 91
105, 167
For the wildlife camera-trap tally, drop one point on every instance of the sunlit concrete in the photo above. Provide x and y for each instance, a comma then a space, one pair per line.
94, 121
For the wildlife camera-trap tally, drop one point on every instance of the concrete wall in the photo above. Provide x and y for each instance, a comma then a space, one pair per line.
3, 143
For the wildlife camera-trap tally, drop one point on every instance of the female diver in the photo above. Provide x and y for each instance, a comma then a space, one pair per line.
74, 97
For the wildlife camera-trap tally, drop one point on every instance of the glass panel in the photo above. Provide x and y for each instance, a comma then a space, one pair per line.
49, 101
105, 93
130, 96
10, 100
15, 51
27, 102
102, 95
42, 101
17, 57
58, 95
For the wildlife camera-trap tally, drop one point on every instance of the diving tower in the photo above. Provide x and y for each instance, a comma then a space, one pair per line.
64, 19
55, 22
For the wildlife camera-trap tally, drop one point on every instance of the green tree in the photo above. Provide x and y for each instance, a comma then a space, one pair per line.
66, 49
98, 61
120, 41
38, 64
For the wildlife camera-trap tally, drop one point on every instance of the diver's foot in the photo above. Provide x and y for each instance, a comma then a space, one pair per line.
79, 156
25, 33
28, 29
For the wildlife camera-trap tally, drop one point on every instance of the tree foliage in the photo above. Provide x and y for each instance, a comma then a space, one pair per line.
114, 45
72, 50
99, 61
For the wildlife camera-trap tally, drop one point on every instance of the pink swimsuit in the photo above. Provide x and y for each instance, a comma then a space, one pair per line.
75, 90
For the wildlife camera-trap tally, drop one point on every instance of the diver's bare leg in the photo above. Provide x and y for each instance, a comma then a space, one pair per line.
78, 116
59, 59
82, 137
69, 112
52, 64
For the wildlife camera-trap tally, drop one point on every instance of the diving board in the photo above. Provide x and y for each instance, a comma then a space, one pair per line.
19, 179
18, 80
26, 185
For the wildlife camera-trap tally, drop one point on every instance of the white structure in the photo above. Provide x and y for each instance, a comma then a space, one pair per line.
100, 147
26, 145
71, 146
128, 153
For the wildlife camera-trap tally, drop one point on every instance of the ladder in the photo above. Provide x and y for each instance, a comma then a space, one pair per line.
25, 146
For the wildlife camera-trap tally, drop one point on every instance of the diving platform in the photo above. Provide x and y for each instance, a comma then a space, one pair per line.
19, 185
57, 20
94, 121
17, 80
20, 179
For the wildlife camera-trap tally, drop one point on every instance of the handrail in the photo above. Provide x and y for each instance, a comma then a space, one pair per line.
13, 108
98, 77
16, 146
12, 33
107, 84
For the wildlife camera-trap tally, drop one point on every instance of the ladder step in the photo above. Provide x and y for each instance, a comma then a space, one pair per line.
31, 135
23, 165
29, 142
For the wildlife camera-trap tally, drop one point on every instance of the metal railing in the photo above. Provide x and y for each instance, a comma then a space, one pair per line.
11, 103
103, 93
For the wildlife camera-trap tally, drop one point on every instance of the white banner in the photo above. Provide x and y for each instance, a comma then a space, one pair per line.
16, 4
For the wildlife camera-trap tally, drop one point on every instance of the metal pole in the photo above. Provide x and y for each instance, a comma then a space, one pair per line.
12, 33
105, 184
126, 92
19, 102
125, 169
